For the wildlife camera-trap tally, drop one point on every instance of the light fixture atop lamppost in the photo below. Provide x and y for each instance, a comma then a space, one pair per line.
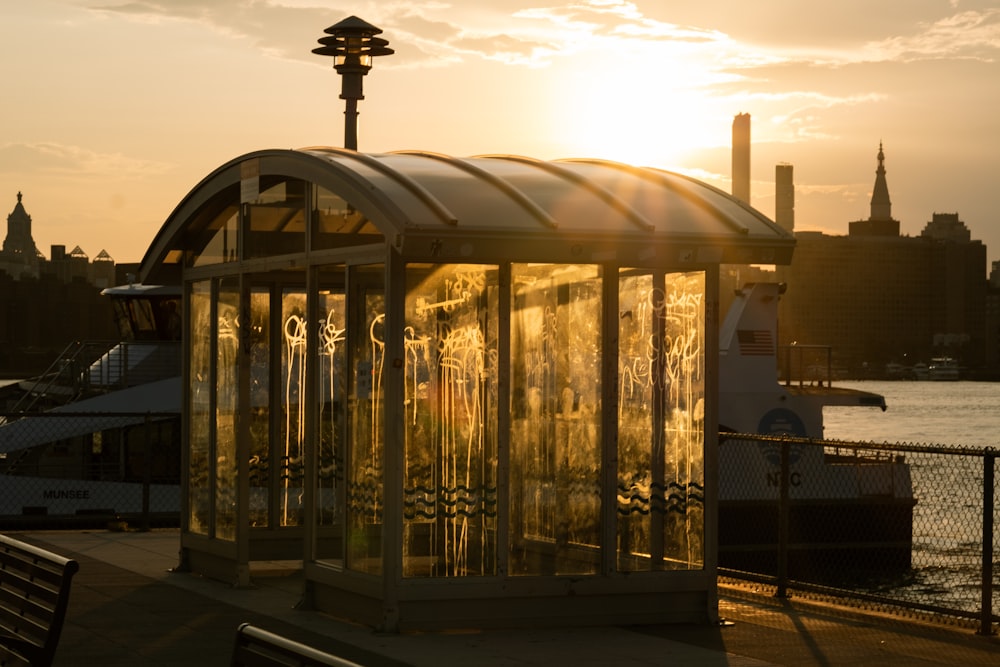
353, 44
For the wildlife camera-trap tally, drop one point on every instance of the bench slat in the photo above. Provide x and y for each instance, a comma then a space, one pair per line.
34, 595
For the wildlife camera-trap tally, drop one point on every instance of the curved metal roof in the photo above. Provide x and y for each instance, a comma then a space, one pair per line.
412, 195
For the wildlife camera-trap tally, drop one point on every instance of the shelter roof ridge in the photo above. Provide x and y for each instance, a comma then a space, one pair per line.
417, 190
579, 179
504, 186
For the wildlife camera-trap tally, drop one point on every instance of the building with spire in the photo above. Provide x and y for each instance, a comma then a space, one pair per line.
877, 297
880, 221
48, 303
19, 257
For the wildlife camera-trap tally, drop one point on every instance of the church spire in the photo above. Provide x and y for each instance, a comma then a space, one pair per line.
881, 206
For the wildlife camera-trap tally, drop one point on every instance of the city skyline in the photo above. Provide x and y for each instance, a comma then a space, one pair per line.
117, 109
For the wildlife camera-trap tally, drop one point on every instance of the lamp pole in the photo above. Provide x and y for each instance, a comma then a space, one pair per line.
353, 44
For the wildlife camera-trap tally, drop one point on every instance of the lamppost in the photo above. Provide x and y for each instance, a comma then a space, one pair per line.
353, 44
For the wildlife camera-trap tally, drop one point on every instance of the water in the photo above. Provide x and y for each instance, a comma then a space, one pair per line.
962, 414
947, 528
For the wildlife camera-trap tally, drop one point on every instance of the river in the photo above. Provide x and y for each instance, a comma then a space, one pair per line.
947, 528
961, 414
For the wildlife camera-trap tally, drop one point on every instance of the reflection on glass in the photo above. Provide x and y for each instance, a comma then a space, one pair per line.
199, 339
450, 485
332, 392
276, 221
337, 224
221, 231
260, 391
661, 369
555, 494
226, 404
366, 442
293, 378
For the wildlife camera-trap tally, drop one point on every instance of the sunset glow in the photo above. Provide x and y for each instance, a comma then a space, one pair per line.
115, 110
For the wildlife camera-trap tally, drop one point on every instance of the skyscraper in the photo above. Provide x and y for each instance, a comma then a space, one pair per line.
741, 157
784, 197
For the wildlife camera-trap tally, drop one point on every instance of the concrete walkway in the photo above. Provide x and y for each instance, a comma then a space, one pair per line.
128, 608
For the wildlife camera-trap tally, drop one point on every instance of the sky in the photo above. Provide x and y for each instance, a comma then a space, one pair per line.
113, 110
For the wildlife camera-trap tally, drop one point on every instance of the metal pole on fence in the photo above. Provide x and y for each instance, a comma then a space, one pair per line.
782, 590
986, 617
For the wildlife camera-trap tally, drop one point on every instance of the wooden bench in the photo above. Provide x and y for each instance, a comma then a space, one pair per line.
34, 594
259, 648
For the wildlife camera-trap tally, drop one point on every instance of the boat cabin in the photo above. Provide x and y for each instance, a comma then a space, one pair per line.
456, 391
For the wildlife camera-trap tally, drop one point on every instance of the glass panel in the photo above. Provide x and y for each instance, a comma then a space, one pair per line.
213, 234
450, 474
276, 222
260, 391
555, 360
332, 392
292, 426
337, 224
661, 445
199, 407
366, 442
226, 405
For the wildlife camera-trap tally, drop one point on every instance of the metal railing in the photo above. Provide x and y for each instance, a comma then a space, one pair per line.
903, 525
88, 368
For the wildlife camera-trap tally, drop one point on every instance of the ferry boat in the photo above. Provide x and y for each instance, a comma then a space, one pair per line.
97, 436
844, 508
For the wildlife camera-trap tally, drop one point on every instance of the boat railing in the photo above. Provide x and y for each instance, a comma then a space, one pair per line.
806, 364
133, 363
86, 368
60, 382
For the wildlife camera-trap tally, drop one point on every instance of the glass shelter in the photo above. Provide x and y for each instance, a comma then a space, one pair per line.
461, 392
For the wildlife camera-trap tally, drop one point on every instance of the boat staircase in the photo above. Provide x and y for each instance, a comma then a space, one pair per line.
89, 368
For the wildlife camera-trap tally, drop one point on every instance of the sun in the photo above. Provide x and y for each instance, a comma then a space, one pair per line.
638, 115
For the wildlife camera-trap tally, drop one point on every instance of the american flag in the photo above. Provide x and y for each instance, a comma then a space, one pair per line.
755, 342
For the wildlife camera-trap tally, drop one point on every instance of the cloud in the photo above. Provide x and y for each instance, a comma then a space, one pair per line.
506, 49
967, 34
529, 36
74, 161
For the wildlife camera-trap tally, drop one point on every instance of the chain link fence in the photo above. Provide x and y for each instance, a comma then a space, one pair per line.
63, 469
908, 526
